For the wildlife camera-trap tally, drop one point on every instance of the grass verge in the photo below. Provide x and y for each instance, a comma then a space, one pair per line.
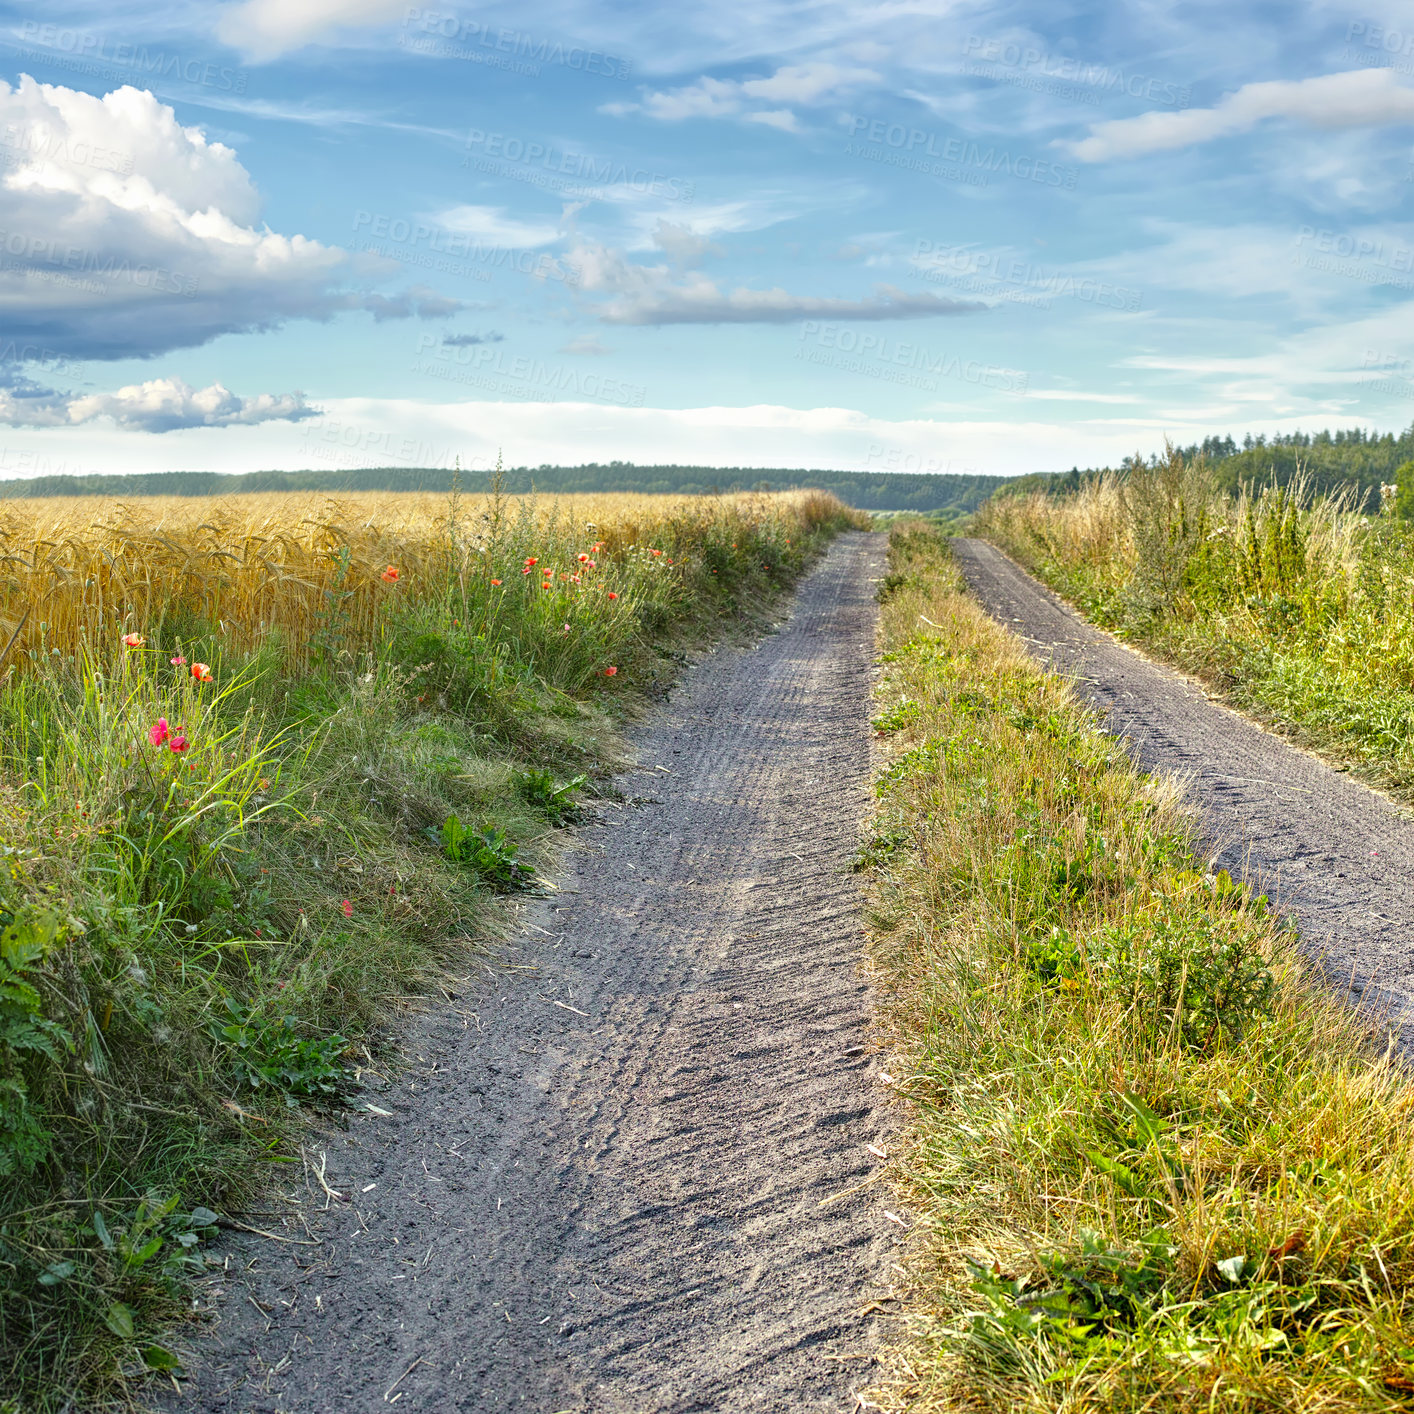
1153, 1166
245, 813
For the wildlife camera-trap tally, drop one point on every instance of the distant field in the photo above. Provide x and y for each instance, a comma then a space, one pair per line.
928, 493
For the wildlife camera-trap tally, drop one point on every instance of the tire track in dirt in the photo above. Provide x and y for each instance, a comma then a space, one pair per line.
604, 1185
1337, 853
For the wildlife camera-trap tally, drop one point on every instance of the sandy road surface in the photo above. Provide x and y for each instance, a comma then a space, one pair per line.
1337, 853
601, 1187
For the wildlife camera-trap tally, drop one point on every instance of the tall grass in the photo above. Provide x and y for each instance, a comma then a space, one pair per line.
265, 768
1298, 608
1151, 1166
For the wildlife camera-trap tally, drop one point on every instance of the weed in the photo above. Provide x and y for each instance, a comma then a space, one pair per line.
273, 1052
538, 788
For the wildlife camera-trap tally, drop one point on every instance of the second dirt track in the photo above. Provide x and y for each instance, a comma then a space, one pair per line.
1336, 853
630, 1172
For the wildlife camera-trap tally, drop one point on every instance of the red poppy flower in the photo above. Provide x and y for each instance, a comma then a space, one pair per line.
610, 671
178, 661
531, 560
201, 672
347, 906
158, 732
495, 581
134, 640
178, 744
390, 574
612, 595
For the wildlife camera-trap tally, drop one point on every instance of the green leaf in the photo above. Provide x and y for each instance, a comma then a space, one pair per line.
100, 1229
1121, 1173
119, 1320
156, 1358
204, 1217
145, 1253
1231, 1268
56, 1272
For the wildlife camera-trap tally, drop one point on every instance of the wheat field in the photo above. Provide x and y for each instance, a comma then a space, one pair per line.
76, 569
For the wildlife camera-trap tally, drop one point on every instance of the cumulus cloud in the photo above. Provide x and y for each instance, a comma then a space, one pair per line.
160, 405
1361, 98
807, 85
654, 294
123, 233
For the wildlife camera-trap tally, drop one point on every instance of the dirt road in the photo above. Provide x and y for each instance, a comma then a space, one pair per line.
609, 1182
1336, 852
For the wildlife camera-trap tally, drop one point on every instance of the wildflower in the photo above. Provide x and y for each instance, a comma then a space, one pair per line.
178, 661
264, 785
564, 628
495, 581
158, 732
134, 640
584, 559
612, 595
178, 744
592, 565
347, 906
655, 552
531, 561
610, 671
390, 575
201, 672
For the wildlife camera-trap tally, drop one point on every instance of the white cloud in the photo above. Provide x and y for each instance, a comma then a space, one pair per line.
781, 118
494, 226
808, 85
265, 29
160, 405
587, 345
653, 294
123, 233
1361, 98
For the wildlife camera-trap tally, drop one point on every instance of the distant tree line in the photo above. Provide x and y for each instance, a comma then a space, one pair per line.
1354, 459
927, 493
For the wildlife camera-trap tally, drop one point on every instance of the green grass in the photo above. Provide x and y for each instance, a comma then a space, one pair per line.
1296, 609
200, 944
1151, 1165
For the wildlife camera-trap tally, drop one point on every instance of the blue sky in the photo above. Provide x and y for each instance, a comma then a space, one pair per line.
913, 235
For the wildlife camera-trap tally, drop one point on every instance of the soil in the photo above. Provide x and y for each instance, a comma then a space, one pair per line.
628, 1168
1335, 853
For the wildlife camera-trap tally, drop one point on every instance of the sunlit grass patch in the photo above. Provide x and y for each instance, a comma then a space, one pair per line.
1153, 1166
